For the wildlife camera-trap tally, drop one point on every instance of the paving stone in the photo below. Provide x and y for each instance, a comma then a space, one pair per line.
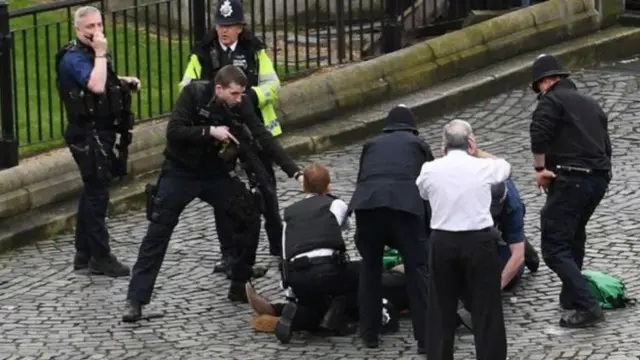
49, 312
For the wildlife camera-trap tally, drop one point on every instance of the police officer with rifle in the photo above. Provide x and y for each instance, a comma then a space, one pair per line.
210, 123
98, 105
232, 43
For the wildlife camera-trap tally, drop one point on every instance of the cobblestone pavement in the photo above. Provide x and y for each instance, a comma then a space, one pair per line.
47, 311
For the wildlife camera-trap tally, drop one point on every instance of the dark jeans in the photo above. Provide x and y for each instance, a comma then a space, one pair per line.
571, 200
92, 235
315, 286
403, 231
177, 187
272, 224
465, 265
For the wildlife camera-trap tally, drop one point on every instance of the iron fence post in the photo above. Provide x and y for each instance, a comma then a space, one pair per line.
8, 142
199, 13
391, 28
340, 27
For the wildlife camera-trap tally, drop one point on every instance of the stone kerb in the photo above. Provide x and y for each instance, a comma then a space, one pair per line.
312, 100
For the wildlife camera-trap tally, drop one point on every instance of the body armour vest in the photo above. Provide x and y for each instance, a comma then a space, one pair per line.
311, 225
81, 104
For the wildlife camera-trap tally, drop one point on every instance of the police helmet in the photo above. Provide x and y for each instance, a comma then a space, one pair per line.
400, 118
546, 66
229, 12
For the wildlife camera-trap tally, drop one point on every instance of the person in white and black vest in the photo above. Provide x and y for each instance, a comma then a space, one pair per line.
314, 261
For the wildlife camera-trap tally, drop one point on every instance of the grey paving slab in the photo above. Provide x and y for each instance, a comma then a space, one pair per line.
49, 312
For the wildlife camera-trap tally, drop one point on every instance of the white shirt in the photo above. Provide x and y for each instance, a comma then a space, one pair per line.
224, 47
458, 187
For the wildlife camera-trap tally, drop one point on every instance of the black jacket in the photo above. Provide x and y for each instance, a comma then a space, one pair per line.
389, 167
570, 129
189, 143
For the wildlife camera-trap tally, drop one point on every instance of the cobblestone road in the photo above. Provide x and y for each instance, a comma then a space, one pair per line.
47, 311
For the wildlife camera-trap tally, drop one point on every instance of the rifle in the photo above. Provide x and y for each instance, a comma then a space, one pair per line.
123, 127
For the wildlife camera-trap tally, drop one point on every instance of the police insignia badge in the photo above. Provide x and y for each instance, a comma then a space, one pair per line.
226, 10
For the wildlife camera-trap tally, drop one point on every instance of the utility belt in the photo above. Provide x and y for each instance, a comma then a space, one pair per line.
580, 171
305, 262
110, 104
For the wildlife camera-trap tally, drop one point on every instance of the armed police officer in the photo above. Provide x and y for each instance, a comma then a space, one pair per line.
572, 159
232, 43
389, 211
98, 105
210, 120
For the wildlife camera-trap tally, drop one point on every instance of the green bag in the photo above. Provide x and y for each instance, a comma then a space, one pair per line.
390, 258
607, 289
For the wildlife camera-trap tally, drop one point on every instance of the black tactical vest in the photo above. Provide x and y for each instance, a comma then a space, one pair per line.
212, 57
84, 107
311, 225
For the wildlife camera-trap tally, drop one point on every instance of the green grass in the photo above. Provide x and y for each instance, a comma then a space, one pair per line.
158, 60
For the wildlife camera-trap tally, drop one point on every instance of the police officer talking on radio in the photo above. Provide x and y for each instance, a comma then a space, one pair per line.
201, 130
572, 159
98, 105
232, 43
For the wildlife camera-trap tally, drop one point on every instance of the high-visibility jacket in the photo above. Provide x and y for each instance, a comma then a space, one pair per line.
250, 55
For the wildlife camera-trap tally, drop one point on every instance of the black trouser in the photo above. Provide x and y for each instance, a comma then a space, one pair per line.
177, 187
465, 265
272, 224
571, 200
92, 235
314, 287
406, 233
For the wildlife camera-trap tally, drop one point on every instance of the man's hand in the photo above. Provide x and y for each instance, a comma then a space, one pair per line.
483, 154
300, 179
544, 178
99, 44
131, 80
221, 133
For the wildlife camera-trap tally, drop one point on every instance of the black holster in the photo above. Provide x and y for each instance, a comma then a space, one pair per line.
92, 158
150, 192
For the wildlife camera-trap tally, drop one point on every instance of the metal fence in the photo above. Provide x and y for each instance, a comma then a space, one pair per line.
152, 40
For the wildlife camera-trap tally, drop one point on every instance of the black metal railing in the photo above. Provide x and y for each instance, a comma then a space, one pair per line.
151, 39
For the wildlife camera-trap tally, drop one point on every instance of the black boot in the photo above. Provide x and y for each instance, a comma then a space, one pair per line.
133, 311
81, 261
283, 327
370, 344
256, 272
582, 319
108, 266
335, 317
237, 292
531, 258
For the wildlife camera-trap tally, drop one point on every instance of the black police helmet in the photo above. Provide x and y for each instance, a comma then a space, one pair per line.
229, 12
400, 118
546, 66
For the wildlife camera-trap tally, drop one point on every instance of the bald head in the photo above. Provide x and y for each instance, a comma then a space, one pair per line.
456, 135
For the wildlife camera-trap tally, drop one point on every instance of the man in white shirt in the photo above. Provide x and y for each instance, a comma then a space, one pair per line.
463, 261
314, 263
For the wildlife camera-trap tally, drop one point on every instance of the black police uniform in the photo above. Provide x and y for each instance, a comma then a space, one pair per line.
315, 281
571, 130
390, 211
91, 136
193, 168
212, 57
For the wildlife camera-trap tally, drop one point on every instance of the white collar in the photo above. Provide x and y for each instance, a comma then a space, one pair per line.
232, 46
457, 152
